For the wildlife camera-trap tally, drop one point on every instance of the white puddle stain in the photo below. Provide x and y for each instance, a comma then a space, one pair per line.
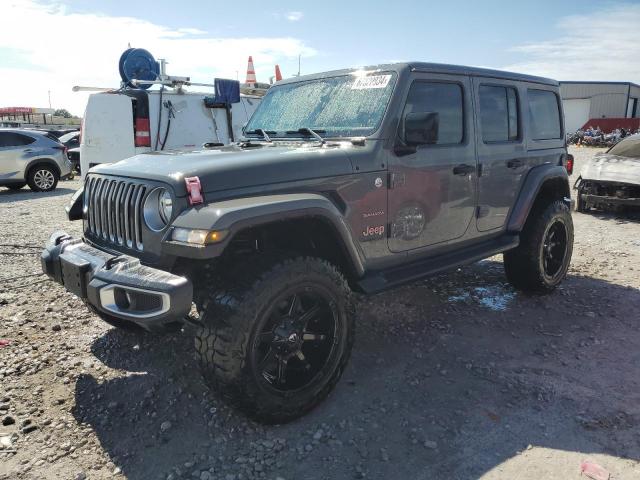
495, 297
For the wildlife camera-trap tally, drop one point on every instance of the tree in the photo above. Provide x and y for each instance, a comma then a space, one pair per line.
62, 112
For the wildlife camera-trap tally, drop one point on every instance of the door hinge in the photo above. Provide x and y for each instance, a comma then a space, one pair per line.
396, 180
482, 211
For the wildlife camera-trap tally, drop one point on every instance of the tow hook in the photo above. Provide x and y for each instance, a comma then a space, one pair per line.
108, 265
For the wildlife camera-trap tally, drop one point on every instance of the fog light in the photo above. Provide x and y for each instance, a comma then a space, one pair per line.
197, 236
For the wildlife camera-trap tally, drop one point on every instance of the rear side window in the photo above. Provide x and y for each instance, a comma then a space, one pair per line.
11, 139
544, 115
444, 99
498, 113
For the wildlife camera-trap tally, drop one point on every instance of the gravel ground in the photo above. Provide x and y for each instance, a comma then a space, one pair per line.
457, 377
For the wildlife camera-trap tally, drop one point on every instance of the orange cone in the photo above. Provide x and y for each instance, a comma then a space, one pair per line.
251, 73
278, 74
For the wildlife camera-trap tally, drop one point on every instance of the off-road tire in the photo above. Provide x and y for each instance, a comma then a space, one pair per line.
43, 170
233, 314
15, 186
524, 265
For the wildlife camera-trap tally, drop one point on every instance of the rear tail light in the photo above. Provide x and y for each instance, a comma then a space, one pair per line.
142, 132
64, 148
569, 164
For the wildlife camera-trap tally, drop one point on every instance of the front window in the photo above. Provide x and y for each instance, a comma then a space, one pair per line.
344, 106
629, 147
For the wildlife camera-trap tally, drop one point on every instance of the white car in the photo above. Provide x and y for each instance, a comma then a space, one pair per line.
611, 179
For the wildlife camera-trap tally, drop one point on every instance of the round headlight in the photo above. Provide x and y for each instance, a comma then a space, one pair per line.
165, 206
158, 207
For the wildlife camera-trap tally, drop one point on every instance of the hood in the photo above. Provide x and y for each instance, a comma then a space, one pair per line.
612, 168
234, 166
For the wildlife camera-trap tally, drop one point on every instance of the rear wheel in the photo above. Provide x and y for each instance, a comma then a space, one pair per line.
42, 178
276, 337
542, 259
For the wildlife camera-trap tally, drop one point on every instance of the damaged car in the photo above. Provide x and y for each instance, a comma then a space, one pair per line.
611, 180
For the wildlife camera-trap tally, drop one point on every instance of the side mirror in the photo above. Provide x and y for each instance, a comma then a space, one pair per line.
421, 128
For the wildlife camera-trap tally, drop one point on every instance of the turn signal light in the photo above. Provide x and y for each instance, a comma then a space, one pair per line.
197, 236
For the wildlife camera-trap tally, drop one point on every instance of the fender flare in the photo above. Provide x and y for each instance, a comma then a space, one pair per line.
531, 187
241, 213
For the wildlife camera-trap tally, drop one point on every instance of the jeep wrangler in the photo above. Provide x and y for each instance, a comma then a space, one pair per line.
352, 180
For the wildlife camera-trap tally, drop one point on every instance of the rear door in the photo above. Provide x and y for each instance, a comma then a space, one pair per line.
107, 133
432, 190
501, 147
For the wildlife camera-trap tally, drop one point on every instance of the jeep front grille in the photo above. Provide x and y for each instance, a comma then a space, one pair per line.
114, 211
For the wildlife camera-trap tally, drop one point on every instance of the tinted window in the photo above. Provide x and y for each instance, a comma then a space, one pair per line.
544, 115
498, 113
445, 99
10, 139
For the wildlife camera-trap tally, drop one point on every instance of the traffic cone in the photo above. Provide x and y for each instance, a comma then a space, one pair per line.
278, 74
251, 73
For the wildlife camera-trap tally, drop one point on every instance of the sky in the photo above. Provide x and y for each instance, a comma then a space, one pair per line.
48, 46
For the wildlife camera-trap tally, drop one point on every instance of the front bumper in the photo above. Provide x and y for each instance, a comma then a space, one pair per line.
117, 285
608, 200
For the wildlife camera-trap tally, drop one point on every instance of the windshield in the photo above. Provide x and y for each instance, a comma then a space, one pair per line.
344, 106
629, 147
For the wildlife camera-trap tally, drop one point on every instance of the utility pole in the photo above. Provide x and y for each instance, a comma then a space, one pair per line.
49, 93
299, 55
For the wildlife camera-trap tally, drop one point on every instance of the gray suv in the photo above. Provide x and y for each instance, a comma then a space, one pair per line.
353, 180
33, 158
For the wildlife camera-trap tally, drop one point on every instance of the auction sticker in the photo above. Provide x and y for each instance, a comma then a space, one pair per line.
371, 81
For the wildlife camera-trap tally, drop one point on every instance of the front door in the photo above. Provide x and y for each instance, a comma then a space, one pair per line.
432, 189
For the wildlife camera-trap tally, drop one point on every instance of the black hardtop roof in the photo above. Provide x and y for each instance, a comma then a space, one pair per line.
430, 68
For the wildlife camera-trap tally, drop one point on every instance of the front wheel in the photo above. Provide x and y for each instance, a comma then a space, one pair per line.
542, 259
275, 337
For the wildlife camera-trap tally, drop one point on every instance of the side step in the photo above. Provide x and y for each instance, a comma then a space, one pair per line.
384, 279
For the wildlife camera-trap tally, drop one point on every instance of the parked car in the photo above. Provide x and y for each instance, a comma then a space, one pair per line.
32, 157
347, 180
72, 141
611, 179
73, 154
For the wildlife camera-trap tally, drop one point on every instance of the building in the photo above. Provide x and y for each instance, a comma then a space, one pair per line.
34, 117
583, 101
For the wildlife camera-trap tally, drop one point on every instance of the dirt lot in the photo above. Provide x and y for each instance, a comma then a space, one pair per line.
457, 377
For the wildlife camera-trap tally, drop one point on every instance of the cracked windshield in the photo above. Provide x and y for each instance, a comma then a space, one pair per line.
336, 107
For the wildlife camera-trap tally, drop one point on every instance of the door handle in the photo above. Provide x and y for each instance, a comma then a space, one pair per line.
463, 169
514, 163
27, 150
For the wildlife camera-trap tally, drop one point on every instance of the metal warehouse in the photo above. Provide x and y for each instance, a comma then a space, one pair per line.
587, 100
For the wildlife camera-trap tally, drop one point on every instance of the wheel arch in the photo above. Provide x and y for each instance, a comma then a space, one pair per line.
42, 161
304, 223
543, 184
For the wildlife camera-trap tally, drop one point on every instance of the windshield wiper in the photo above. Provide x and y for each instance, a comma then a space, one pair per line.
264, 133
308, 131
